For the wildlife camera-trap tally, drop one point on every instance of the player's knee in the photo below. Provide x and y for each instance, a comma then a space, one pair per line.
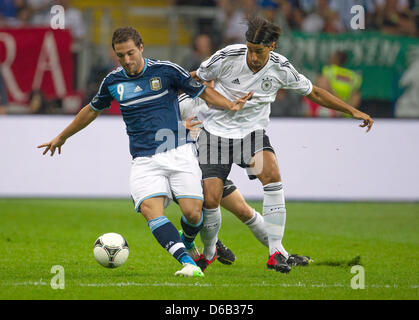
269, 178
193, 214
212, 199
211, 202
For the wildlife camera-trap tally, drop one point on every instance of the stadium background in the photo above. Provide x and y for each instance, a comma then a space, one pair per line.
54, 72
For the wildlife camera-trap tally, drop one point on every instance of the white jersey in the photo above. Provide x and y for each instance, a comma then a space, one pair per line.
233, 79
190, 107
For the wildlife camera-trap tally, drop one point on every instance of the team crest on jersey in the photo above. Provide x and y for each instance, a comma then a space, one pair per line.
155, 84
266, 84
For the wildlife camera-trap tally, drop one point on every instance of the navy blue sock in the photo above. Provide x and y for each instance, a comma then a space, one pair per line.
168, 237
190, 231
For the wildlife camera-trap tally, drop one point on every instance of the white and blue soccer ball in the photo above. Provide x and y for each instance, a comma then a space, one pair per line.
111, 250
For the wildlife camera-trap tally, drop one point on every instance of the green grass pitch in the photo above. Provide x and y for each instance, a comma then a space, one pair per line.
36, 234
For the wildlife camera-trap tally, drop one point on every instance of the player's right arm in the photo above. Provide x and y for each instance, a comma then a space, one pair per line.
183, 81
212, 69
212, 97
82, 120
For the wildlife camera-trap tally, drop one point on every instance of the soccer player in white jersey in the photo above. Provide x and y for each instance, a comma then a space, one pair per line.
239, 137
147, 91
192, 111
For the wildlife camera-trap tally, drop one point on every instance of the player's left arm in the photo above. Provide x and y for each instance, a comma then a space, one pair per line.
326, 99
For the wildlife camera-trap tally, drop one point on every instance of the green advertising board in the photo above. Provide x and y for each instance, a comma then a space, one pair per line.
380, 59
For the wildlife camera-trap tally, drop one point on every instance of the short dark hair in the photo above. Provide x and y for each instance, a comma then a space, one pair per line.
125, 34
261, 31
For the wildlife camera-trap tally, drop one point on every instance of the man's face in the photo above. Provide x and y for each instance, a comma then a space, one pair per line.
130, 56
258, 55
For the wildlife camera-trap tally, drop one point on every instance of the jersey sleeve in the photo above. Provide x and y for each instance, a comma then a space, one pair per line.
186, 106
295, 80
182, 80
103, 99
211, 68
190, 107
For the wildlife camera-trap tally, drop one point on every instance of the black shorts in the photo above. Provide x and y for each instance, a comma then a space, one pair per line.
216, 155
229, 188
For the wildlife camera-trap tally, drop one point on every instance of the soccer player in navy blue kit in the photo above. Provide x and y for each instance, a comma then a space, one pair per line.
164, 160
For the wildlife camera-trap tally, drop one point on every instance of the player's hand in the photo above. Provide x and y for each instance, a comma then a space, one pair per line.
192, 127
368, 122
239, 103
52, 145
190, 124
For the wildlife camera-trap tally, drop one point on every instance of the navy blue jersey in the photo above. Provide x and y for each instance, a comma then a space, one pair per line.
149, 104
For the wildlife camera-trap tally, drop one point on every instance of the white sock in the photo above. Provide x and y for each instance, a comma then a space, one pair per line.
257, 226
274, 215
209, 231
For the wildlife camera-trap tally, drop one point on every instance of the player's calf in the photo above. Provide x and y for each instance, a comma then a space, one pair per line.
209, 232
190, 246
190, 231
168, 237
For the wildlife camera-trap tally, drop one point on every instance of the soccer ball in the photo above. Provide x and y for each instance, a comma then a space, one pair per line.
111, 250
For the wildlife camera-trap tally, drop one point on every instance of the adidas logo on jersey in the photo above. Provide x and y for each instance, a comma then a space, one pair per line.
236, 81
138, 89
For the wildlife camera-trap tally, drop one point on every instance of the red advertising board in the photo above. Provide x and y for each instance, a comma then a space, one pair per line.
36, 58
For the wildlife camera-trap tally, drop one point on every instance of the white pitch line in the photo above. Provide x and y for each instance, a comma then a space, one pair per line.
31, 283
286, 285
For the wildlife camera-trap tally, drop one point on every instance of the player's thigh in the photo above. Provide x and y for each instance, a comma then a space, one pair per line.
236, 204
147, 181
213, 178
187, 189
265, 166
213, 191
185, 174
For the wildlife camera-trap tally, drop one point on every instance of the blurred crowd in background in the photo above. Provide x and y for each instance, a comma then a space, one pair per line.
397, 18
